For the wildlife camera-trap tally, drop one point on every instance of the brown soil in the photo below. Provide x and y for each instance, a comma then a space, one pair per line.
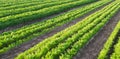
92, 49
15, 51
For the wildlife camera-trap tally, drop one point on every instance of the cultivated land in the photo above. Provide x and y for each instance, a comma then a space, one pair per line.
60, 29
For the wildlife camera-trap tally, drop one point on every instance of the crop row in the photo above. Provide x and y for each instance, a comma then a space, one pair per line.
116, 53
25, 1
13, 38
20, 5
107, 46
26, 5
15, 3
65, 44
5, 4
18, 1
31, 8
24, 17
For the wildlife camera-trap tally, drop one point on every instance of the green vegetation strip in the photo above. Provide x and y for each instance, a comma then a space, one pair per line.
109, 43
116, 54
31, 8
65, 44
19, 3
26, 5
14, 38
15, 3
32, 15
26, 1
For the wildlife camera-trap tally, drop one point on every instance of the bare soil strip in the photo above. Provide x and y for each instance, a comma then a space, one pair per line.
15, 51
92, 49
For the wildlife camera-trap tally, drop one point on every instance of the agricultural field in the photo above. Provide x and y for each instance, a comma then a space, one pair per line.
59, 29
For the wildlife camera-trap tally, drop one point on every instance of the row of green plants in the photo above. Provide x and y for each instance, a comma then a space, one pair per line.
65, 44
20, 5
16, 37
116, 53
25, 5
15, 2
19, 1
4, 4
33, 15
107, 46
8, 3
30, 8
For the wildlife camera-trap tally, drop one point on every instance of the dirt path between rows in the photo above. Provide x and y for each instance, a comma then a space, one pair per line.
15, 51
92, 49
